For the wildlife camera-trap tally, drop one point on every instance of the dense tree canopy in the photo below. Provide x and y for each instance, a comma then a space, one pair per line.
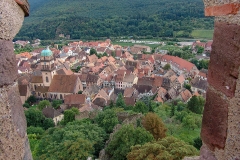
169, 148
141, 107
77, 140
196, 104
107, 120
89, 19
126, 137
35, 118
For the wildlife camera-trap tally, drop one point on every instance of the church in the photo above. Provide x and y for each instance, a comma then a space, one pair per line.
51, 85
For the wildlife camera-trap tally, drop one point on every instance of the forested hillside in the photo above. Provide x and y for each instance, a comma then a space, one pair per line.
112, 18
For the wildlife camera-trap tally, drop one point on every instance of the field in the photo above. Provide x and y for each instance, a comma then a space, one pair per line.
131, 44
207, 34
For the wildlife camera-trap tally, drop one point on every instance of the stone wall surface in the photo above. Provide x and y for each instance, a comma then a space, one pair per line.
14, 143
11, 19
221, 118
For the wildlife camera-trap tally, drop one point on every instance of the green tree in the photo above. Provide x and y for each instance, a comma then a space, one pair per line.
77, 140
197, 142
126, 137
69, 115
79, 92
105, 54
47, 123
35, 130
199, 49
152, 123
167, 66
196, 104
93, 51
107, 120
31, 100
43, 104
168, 148
120, 101
140, 107
26, 105
188, 87
189, 122
34, 117
56, 103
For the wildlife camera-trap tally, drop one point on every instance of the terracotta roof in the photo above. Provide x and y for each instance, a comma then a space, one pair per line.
157, 81
64, 71
100, 102
36, 79
86, 107
24, 5
181, 79
22, 90
83, 77
103, 94
202, 74
145, 81
92, 78
24, 80
42, 89
93, 89
186, 95
128, 92
50, 112
63, 83
129, 101
111, 59
173, 78
74, 99
172, 93
183, 64
93, 58
129, 78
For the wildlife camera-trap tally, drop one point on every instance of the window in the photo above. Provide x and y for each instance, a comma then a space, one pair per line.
46, 79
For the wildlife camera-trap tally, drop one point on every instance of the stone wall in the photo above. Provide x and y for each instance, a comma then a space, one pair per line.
13, 138
221, 118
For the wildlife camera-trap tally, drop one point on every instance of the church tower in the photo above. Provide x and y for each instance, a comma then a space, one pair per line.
48, 66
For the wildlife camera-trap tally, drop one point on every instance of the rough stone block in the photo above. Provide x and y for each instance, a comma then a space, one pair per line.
11, 18
8, 66
206, 154
225, 58
225, 9
13, 141
215, 120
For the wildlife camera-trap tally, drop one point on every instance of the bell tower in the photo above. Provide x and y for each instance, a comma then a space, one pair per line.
47, 66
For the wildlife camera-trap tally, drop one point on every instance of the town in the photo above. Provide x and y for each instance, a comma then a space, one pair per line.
92, 75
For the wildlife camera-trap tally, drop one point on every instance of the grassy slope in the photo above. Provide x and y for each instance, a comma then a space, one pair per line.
208, 34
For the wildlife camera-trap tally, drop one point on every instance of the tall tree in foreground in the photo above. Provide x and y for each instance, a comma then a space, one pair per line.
169, 148
152, 123
126, 137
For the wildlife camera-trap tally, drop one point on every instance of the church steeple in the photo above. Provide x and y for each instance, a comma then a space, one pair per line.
47, 66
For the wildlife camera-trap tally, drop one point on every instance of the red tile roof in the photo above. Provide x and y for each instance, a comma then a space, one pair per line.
74, 99
183, 64
63, 83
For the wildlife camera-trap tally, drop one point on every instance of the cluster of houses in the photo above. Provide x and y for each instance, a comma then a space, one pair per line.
48, 74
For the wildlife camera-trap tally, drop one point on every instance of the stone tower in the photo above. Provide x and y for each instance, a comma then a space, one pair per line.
221, 118
48, 67
13, 138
